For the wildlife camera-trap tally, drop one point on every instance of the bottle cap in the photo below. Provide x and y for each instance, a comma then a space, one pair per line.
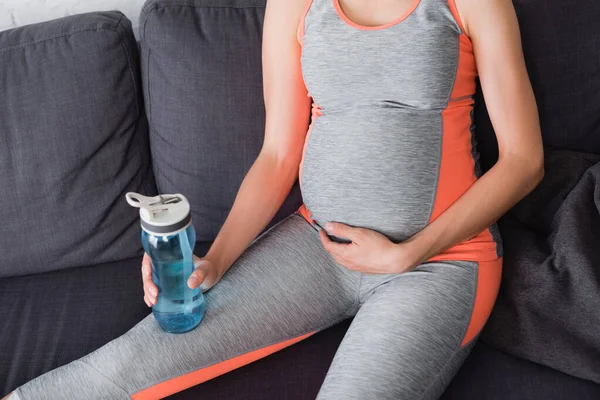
162, 215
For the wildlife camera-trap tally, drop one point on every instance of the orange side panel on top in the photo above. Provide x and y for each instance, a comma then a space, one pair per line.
186, 381
467, 70
306, 214
488, 284
457, 169
457, 166
456, 176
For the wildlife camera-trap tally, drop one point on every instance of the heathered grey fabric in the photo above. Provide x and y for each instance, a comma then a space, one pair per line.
373, 158
203, 90
73, 141
404, 342
547, 311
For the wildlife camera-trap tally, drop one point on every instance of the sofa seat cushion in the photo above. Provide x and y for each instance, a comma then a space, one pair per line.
51, 319
297, 372
54, 318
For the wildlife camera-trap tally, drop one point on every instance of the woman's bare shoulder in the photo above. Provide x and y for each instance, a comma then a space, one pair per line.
472, 11
290, 10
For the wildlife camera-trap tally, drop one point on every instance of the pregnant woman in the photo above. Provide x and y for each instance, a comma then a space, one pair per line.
397, 229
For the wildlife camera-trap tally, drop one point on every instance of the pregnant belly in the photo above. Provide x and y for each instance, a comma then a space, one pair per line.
378, 171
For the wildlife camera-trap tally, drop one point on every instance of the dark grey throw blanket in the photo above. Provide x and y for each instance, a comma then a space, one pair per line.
548, 310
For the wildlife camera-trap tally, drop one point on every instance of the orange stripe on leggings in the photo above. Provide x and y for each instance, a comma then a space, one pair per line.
489, 274
457, 167
186, 381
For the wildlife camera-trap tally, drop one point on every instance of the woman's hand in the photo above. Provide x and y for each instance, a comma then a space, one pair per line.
150, 289
370, 252
205, 275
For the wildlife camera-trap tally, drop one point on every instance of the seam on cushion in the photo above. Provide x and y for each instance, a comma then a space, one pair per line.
146, 161
148, 99
58, 36
148, 10
156, 7
129, 62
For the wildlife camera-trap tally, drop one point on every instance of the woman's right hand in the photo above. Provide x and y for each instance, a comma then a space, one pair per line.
205, 275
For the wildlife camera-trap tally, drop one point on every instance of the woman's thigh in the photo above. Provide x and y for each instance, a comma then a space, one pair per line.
282, 289
413, 331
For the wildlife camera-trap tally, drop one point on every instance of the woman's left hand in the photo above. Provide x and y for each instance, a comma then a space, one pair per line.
370, 252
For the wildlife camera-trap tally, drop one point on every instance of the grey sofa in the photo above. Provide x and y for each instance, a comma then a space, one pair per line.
86, 115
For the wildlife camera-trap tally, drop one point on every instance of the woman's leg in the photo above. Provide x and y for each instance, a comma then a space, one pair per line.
283, 288
413, 331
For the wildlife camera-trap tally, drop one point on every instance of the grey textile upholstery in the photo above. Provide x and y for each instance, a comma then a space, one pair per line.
202, 76
73, 141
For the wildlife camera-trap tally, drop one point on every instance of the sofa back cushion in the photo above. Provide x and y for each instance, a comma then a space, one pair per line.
561, 43
202, 74
73, 141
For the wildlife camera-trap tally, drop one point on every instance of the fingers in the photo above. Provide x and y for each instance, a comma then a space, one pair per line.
150, 289
336, 249
146, 273
342, 231
150, 293
197, 277
340, 252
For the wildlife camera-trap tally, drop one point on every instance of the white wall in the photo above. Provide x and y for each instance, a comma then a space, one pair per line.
22, 12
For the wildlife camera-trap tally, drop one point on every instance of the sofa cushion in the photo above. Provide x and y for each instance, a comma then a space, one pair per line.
201, 67
64, 315
73, 141
297, 373
84, 308
493, 375
561, 43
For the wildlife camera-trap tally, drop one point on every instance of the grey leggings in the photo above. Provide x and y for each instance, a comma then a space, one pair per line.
410, 332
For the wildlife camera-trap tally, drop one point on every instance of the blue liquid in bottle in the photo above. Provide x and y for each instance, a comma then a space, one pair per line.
178, 308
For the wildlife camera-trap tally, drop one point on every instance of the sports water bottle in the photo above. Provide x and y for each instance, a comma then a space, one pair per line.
168, 237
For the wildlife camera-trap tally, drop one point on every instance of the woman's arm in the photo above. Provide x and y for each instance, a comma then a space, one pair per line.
494, 31
272, 175
493, 28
